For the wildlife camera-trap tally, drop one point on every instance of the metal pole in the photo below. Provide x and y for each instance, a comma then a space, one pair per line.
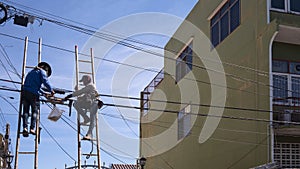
20, 105
78, 117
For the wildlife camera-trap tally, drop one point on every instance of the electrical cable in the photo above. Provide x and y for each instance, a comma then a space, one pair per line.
212, 138
204, 82
204, 105
207, 115
122, 37
5, 80
248, 79
144, 50
57, 143
110, 154
76, 27
83, 135
6, 56
157, 71
7, 72
110, 145
126, 122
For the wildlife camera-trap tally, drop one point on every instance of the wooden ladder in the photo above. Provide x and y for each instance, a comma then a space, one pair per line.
80, 64
19, 132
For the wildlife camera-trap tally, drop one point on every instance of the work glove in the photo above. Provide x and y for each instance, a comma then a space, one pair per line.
68, 96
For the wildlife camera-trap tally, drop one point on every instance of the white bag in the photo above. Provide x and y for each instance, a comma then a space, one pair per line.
55, 114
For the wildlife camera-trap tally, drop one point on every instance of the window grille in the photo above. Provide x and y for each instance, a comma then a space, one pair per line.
287, 155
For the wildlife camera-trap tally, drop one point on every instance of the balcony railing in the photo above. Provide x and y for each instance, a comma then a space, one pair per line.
286, 110
145, 95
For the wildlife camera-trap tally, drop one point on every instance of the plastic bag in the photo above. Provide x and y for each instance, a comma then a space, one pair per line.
55, 114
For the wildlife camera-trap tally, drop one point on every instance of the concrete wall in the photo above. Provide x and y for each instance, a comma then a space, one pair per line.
235, 143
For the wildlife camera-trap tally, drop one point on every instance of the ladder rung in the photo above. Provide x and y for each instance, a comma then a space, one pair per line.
86, 61
92, 139
85, 73
85, 154
85, 124
26, 152
30, 67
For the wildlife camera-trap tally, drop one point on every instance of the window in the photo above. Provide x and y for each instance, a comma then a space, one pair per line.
280, 88
184, 62
225, 21
278, 4
295, 6
287, 155
184, 122
286, 82
280, 66
295, 81
289, 6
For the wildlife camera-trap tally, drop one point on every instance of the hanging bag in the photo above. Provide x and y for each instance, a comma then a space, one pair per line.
55, 114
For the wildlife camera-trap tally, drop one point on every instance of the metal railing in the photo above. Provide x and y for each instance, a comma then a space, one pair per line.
145, 95
287, 109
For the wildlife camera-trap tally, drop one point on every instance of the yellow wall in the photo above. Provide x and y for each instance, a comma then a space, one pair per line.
235, 143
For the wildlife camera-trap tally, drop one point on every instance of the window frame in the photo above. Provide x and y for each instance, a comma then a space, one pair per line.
290, 75
182, 62
277, 9
289, 88
287, 7
186, 117
216, 18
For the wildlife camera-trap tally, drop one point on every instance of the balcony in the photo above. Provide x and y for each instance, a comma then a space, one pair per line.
146, 93
287, 113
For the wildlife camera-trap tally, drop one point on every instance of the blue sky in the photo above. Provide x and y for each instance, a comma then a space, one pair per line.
125, 18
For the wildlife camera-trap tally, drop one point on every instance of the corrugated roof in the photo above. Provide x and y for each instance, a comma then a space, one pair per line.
123, 166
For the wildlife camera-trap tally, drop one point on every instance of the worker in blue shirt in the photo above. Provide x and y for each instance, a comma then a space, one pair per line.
31, 92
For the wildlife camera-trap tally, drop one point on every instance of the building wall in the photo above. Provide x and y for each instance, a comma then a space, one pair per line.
235, 143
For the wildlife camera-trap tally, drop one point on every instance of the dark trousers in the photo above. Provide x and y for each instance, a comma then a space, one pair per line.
30, 100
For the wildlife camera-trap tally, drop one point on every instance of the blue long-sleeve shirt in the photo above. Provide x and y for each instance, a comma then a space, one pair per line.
34, 80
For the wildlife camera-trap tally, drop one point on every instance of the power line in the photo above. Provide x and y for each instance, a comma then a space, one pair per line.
6, 56
110, 154
11, 81
122, 42
228, 141
117, 36
201, 114
207, 115
7, 72
126, 122
58, 143
134, 66
193, 104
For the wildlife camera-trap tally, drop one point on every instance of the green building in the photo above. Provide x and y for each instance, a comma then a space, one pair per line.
228, 96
